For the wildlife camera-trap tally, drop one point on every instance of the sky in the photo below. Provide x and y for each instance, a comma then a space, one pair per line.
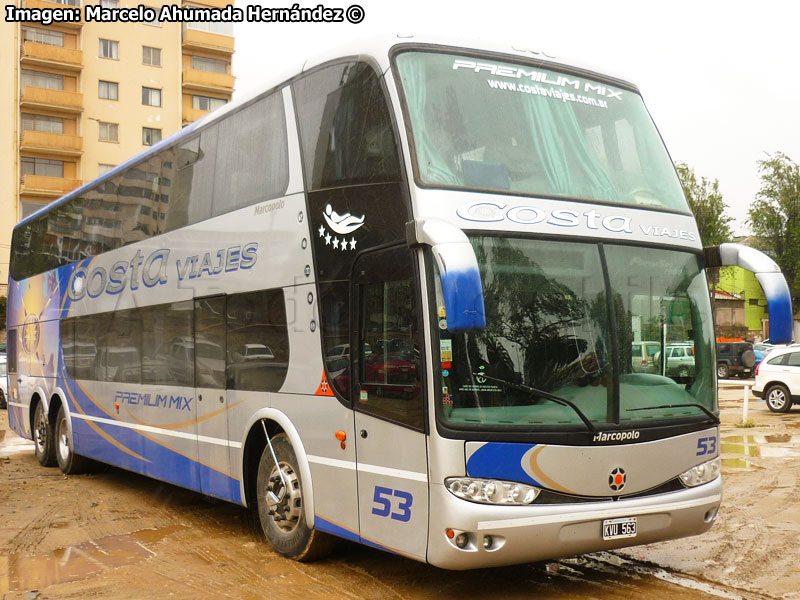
720, 79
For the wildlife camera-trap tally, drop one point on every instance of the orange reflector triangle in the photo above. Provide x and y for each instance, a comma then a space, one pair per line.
324, 388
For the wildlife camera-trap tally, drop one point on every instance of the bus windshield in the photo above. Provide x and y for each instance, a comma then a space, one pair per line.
624, 334
485, 124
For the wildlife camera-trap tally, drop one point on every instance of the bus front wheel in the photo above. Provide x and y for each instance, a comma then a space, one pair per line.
44, 448
281, 511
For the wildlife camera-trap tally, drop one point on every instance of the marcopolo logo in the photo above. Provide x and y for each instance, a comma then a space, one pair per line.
617, 479
616, 436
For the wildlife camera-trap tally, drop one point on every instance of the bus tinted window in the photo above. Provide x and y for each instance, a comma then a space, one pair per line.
167, 344
257, 340
192, 176
252, 156
11, 349
491, 125
90, 339
345, 127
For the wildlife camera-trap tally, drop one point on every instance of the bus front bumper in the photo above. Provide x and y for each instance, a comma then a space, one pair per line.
507, 535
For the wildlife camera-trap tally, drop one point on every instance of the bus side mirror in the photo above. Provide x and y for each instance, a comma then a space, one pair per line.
768, 274
458, 266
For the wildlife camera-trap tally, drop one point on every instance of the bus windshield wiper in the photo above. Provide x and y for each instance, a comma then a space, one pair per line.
542, 394
711, 415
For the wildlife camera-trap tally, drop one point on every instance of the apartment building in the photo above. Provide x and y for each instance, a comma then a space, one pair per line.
79, 98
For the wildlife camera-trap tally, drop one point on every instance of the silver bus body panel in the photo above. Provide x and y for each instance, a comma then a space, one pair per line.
585, 470
530, 533
543, 216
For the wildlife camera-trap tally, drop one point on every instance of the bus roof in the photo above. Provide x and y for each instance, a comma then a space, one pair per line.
378, 48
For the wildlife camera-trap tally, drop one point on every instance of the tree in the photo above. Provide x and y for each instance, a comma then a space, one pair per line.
706, 203
774, 217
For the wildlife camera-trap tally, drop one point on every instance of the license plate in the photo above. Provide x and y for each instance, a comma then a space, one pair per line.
614, 529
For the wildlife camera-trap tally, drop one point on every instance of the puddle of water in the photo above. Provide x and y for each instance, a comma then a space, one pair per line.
614, 563
25, 572
15, 445
737, 450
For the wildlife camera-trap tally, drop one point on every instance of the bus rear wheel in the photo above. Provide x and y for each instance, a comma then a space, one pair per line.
69, 462
281, 511
44, 448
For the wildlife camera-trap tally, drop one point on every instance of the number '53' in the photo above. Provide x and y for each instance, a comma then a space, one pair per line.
383, 503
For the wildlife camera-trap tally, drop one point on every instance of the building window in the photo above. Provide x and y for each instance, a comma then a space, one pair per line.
43, 36
109, 90
155, 22
151, 56
31, 122
213, 65
68, 2
109, 3
109, 132
42, 166
150, 136
151, 96
102, 169
42, 80
211, 27
109, 49
207, 103
28, 208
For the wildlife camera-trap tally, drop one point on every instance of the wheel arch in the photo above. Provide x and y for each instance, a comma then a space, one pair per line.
253, 445
58, 399
38, 397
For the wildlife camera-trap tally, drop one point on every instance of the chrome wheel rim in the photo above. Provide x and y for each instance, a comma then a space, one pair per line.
285, 503
40, 437
777, 399
63, 439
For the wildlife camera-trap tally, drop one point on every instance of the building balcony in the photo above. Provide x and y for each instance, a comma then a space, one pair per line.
36, 97
205, 40
52, 143
48, 187
190, 115
206, 81
209, 3
43, 55
46, 4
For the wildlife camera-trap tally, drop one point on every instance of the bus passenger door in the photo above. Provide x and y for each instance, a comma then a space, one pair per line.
211, 397
388, 400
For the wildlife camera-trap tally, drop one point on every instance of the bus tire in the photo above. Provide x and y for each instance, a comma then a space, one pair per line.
69, 462
44, 446
284, 522
778, 399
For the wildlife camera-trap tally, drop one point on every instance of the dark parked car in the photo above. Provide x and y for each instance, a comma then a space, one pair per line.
735, 358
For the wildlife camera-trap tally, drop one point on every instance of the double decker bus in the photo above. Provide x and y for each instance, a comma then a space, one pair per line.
392, 298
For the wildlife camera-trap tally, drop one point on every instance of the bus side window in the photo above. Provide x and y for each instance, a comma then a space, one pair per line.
252, 156
11, 348
389, 381
345, 127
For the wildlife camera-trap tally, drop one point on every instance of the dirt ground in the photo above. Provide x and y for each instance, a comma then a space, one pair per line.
113, 534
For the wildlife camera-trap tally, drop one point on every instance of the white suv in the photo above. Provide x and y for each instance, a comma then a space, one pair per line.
778, 379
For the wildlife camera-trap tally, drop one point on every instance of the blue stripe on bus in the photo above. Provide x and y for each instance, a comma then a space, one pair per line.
144, 455
334, 529
500, 460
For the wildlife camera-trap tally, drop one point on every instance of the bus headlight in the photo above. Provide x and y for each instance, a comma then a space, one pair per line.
701, 474
491, 491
